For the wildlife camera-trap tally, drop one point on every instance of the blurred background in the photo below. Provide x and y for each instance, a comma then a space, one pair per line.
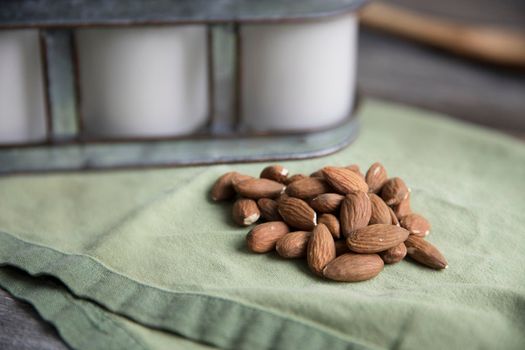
395, 68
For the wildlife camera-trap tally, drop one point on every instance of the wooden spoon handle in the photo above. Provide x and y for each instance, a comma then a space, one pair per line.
485, 43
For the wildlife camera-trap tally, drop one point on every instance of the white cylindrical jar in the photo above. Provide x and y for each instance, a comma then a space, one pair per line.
22, 106
143, 82
298, 76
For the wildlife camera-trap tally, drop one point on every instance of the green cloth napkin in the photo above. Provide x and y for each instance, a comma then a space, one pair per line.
150, 246
83, 324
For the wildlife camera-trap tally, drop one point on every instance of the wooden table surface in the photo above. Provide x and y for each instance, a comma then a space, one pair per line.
389, 68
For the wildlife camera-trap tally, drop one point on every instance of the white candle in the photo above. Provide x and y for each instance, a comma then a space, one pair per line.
144, 82
298, 75
22, 111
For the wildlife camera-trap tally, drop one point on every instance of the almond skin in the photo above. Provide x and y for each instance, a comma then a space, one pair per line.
376, 177
352, 267
321, 249
275, 172
393, 216
416, 225
425, 253
268, 209
259, 188
376, 238
344, 180
327, 202
263, 237
331, 223
355, 168
297, 213
245, 212
341, 248
380, 211
293, 245
355, 212
394, 254
403, 208
294, 178
236, 178
308, 188
394, 191
223, 187
317, 173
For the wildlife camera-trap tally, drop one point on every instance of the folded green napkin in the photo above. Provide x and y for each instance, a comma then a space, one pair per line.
150, 246
83, 324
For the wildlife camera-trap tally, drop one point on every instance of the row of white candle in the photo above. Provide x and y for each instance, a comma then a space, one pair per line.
154, 81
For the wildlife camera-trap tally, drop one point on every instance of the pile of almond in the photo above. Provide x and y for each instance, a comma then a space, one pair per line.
346, 224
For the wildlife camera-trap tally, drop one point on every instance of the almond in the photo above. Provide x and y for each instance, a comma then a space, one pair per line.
355, 168
321, 249
394, 191
236, 178
263, 237
344, 180
223, 187
245, 212
376, 177
425, 253
380, 211
331, 223
294, 178
376, 238
393, 217
259, 188
355, 212
341, 248
352, 267
394, 254
275, 172
293, 244
297, 213
327, 202
268, 209
317, 173
403, 208
416, 225
308, 188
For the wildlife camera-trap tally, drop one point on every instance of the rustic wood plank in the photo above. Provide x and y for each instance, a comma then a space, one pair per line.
21, 328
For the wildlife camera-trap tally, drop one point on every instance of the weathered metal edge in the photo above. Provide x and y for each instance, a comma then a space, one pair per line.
96, 156
66, 13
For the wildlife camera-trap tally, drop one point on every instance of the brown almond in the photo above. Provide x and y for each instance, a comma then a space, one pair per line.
294, 178
259, 188
394, 254
236, 178
344, 180
376, 177
355, 212
376, 238
380, 211
263, 237
321, 249
327, 202
393, 217
394, 191
223, 187
403, 208
293, 244
416, 224
425, 253
308, 188
317, 173
268, 209
352, 267
332, 223
245, 212
341, 247
297, 213
275, 172
354, 167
